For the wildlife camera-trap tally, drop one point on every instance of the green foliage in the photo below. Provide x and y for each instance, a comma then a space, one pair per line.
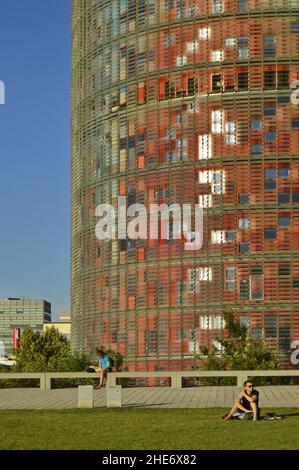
239, 351
46, 351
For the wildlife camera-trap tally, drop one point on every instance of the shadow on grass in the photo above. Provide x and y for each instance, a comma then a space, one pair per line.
288, 414
146, 405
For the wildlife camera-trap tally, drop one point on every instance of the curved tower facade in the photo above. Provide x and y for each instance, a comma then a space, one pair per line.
186, 101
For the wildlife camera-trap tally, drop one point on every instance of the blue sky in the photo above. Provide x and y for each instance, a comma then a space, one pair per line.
35, 48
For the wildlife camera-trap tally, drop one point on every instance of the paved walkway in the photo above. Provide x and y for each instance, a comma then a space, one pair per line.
145, 397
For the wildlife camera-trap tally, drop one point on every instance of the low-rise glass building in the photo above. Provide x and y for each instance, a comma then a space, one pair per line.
17, 314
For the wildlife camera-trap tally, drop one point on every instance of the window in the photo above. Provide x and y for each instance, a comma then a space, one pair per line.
284, 221
243, 47
193, 278
217, 6
231, 235
283, 172
205, 200
243, 53
172, 157
204, 177
270, 136
169, 39
181, 60
244, 289
169, 90
170, 133
270, 112
215, 177
217, 236
192, 86
216, 56
270, 234
282, 79
217, 81
131, 61
230, 139
181, 334
256, 283
295, 282
192, 107
244, 223
295, 26
217, 121
244, 247
243, 41
230, 42
212, 322
193, 346
256, 149
131, 244
243, 81
269, 39
182, 149
230, 127
217, 182
257, 333
204, 33
192, 47
170, 4
283, 198
256, 270
257, 125
231, 276
283, 99
270, 173
284, 270
242, 5
230, 132
243, 198
151, 341
270, 185
295, 123
205, 274
122, 245
205, 147
269, 45
245, 320
295, 197
270, 326
269, 80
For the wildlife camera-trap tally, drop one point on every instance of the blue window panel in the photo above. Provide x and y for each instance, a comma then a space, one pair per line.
257, 149
284, 198
244, 247
284, 221
270, 234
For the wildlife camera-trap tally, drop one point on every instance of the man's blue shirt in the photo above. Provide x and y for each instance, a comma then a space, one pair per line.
104, 361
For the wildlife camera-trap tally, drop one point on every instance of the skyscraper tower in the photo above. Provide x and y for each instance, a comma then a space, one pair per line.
186, 101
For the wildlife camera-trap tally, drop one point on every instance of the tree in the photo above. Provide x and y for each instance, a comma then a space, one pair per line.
238, 351
47, 351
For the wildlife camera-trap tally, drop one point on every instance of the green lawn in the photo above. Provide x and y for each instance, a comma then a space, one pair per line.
156, 429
